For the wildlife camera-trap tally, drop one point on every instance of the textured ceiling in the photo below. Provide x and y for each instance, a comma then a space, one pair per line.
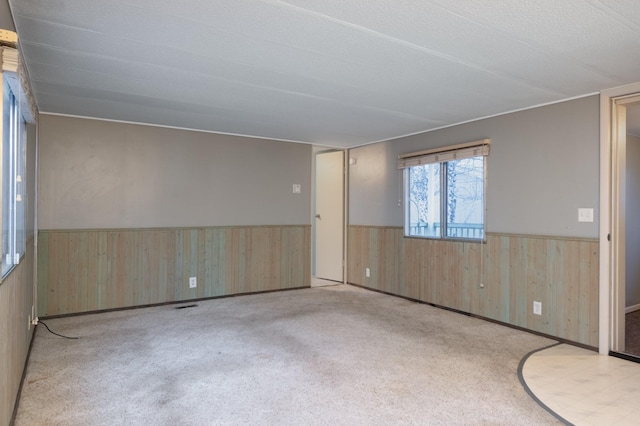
329, 72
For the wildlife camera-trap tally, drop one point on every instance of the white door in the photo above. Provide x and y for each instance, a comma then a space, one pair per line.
329, 215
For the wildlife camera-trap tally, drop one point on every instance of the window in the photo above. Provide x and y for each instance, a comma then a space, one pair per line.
444, 191
13, 172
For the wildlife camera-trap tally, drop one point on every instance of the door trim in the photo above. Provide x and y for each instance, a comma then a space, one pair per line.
345, 215
618, 227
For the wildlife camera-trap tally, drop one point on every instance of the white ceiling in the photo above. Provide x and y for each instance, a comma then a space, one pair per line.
330, 72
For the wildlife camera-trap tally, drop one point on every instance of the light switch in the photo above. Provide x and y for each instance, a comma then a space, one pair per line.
296, 188
585, 215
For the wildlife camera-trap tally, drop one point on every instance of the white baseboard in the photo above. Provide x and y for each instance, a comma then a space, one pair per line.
632, 308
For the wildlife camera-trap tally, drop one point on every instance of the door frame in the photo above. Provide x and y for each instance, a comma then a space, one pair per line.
611, 219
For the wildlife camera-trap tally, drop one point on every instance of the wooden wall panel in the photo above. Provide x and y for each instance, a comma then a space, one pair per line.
89, 270
16, 300
515, 270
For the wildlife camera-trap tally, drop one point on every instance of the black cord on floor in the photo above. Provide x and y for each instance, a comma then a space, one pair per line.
53, 332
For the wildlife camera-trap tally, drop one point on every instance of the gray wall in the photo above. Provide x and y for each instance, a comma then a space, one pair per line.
6, 21
31, 177
543, 166
98, 174
632, 231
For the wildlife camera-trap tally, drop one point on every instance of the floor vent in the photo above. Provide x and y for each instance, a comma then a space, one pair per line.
186, 306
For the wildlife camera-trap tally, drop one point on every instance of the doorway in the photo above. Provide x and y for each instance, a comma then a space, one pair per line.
631, 286
329, 216
625, 231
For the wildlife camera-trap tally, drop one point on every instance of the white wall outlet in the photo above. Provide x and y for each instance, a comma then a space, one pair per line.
585, 215
193, 282
537, 308
367, 272
296, 188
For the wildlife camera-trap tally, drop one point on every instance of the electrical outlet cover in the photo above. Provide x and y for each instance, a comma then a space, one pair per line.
537, 308
585, 215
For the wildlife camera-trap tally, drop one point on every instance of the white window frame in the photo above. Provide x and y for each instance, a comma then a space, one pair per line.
20, 115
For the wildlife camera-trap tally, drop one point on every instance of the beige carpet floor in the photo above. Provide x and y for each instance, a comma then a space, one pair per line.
320, 356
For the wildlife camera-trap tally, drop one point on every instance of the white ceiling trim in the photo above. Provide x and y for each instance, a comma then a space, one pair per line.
329, 145
162, 126
481, 118
342, 73
395, 113
263, 87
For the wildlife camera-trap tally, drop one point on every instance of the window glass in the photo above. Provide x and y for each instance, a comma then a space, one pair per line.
13, 182
446, 199
424, 200
465, 198
8, 111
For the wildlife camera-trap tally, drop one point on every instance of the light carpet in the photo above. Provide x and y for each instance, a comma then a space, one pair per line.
328, 355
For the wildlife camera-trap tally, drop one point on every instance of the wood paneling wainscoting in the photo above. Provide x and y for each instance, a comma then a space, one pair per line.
89, 270
515, 270
16, 300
